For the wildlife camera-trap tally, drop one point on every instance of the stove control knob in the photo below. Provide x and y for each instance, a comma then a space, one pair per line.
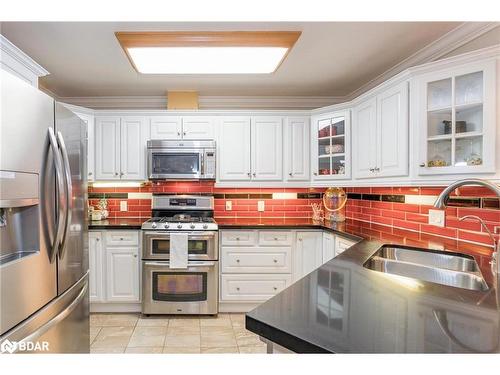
179, 226
205, 226
192, 226
166, 226
153, 225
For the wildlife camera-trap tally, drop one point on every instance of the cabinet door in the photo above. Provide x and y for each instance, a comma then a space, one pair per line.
107, 148
392, 132
96, 263
297, 154
165, 127
122, 274
455, 119
342, 244
133, 148
308, 253
365, 139
328, 246
234, 149
197, 128
267, 148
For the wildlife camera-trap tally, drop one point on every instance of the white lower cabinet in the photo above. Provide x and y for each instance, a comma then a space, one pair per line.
328, 246
308, 253
342, 244
96, 285
114, 264
122, 274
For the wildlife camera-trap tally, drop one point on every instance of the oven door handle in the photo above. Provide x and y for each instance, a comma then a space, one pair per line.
163, 235
190, 264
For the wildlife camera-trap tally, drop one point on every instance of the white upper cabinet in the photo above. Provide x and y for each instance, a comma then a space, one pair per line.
133, 148
267, 148
297, 153
177, 127
107, 148
381, 134
455, 119
120, 148
330, 141
166, 127
365, 139
197, 127
234, 149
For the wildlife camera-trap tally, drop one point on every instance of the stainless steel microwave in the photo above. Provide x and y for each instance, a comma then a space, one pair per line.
177, 160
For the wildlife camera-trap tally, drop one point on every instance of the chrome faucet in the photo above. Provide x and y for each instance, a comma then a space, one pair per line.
442, 202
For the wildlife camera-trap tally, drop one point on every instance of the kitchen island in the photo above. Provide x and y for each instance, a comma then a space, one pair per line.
343, 307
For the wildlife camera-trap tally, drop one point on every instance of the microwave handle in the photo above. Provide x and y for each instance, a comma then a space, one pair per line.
202, 169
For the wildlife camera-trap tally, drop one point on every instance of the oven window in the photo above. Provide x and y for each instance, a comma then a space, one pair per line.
194, 246
176, 163
180, 286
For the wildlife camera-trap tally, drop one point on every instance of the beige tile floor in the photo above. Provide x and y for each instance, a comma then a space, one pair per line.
134, 333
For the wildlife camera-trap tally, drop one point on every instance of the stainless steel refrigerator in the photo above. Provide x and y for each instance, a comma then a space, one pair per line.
44, 304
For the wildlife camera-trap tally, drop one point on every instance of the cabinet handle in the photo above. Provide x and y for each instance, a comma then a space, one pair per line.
249, 174
237, 260
184, 133
237, 288
237, 238
116, 173
254, 174
300, 239
97, 240
179, 133
275, 260
275, 288
372, 170
90, 173
290, 174
121, 173
121, 238
276, 238
135, 255
422, 165
377, 169
315, 173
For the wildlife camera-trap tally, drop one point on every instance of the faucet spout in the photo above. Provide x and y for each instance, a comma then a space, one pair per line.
442, 202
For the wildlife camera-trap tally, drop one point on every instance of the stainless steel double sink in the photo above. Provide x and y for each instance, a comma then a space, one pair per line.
440, 267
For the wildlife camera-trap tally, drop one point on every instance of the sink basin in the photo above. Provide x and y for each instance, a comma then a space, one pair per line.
431, 258
452, 269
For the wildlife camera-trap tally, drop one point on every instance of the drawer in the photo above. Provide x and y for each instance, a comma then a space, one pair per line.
239, 238
256, 260
122, 238
275, 238
252, 288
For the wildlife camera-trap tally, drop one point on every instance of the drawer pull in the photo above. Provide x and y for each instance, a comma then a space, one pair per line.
275, 288
237, 238
237, 288
237, 260
121, 238
275, 260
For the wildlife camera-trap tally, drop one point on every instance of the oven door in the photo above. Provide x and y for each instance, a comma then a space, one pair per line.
175, 163
202, 245
191, 290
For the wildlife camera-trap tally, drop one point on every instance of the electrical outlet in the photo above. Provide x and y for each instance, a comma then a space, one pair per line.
123, 205
229, 205
261, 206
436, 217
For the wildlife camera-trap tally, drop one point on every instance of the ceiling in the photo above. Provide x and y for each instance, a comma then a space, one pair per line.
329, 59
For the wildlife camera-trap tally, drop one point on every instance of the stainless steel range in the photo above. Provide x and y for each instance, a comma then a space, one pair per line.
190, 290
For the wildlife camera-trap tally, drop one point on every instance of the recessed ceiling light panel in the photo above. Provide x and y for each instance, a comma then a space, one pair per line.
207, 53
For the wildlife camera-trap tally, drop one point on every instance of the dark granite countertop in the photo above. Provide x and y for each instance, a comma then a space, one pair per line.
343, 307
117, 223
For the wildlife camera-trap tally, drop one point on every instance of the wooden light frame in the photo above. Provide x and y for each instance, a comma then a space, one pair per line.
131, 39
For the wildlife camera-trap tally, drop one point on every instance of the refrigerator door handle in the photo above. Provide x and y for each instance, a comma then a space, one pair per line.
68, 192
51, 143
58, 318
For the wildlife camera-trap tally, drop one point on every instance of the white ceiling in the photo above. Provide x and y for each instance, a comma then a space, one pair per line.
329, 59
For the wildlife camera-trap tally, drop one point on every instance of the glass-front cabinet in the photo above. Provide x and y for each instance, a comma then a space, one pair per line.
457, 120
331, 146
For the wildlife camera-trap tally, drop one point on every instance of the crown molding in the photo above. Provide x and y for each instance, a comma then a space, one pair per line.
9, 50
449, 42
205, 102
